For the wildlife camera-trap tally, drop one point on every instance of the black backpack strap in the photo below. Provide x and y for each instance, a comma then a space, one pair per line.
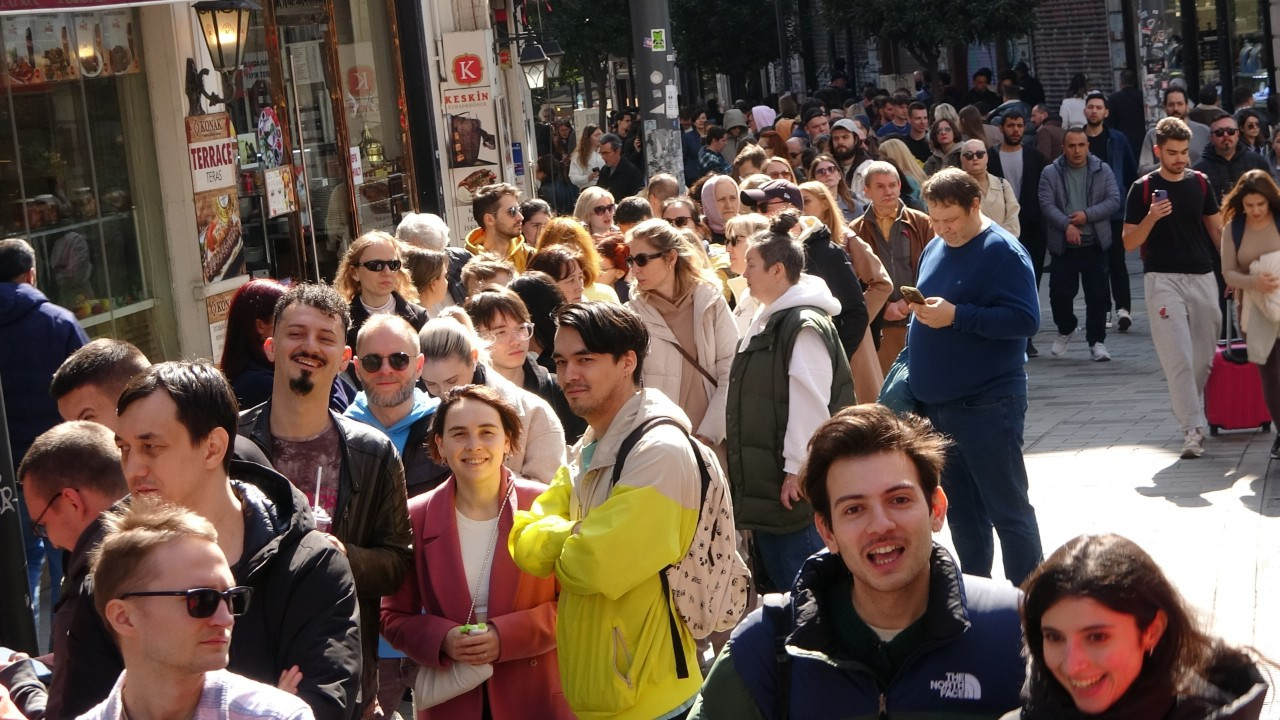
776, 607
629, 442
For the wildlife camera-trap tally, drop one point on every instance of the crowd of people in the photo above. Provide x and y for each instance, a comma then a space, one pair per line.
645, 448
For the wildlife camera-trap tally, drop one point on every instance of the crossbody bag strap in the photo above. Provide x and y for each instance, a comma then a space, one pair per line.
685, 354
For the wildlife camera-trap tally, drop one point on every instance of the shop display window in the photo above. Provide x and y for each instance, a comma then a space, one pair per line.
77, 166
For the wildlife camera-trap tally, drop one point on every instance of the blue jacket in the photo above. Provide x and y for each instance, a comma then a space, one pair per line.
1122, 163
970, 665
35, 337
1103, 197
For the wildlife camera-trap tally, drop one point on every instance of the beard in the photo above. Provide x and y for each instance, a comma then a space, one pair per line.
842, 154
390, 398
302, 385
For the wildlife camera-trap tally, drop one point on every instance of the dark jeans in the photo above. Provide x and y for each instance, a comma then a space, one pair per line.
1087, 264
1036, 245
782, 554
1117, 270
986, 484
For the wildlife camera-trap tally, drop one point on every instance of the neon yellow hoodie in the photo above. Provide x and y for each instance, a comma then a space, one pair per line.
612, 630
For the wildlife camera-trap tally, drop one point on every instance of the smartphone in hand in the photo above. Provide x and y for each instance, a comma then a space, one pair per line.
912, 295
1159, 195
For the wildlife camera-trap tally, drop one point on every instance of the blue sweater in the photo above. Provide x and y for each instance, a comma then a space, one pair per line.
981, 355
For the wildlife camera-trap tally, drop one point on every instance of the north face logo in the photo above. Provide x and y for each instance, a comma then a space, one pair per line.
958, 686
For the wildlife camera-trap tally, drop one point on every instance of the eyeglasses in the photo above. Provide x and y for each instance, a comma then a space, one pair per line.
37, 526
372, 362
827, 170
377, 265
971, 154
642, 259
603, 210
680, 221
780, 174
1220, 132
203, 602
522, 331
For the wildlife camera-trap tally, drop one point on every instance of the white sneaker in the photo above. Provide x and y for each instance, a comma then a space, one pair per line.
1098, 353
1060, 345
1124, 319
1108, 321
1193, 444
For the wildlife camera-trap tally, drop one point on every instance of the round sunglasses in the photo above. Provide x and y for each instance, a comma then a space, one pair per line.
372, 362
642, 259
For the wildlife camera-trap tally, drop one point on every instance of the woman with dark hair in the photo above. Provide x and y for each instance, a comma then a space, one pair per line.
585, 162
554, 187
564, 265
614, 270
250, 318
1072, 108
1108, 636
1252, 136
1251, 265
542, 296
537, 213
972, 127
946, 146
826, 170
463, 601
774, 144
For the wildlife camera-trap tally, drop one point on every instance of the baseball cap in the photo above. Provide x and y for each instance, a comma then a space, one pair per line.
851, 126
774, 190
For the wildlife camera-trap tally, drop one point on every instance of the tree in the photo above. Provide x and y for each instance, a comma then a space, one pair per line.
731, 37
590, 31
924, 28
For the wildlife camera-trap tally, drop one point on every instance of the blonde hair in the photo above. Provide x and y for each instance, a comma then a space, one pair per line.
451, 334
753, 182
570, 233
897, 151
745, 225
345, 281
791, 172
829, 213
691, 266
946, 111
586, 201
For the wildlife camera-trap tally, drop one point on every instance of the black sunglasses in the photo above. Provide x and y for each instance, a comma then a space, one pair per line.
372, 362
642, 259
679, 222
1225, 131
602, 209
971, 154
203, 602
377, 265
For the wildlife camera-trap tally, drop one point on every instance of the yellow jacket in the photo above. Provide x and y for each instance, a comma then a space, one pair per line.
612, 632
518, 255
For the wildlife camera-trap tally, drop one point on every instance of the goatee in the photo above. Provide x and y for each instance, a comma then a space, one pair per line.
302, 385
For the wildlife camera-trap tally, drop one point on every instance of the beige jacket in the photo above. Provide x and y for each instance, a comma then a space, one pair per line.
716, 335
542, 448
1000, 203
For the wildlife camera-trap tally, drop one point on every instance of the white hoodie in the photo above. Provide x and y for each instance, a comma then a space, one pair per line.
809, 367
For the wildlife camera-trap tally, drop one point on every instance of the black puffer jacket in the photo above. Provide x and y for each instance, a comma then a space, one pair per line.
829, 261
371, 517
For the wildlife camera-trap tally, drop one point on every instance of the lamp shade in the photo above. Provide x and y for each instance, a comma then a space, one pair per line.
533, 61
225, 26
554, 57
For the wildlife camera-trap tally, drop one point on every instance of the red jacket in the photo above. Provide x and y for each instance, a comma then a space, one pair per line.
522, 608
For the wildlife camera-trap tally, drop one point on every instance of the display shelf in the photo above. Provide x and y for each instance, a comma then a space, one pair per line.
116, 313
67, 227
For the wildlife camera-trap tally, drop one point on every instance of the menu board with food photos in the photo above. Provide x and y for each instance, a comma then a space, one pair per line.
120, 41
38, 48
213, 153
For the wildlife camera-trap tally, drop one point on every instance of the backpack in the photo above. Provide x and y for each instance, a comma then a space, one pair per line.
708, 586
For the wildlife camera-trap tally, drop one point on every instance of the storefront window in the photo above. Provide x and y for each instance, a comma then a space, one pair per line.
72, 185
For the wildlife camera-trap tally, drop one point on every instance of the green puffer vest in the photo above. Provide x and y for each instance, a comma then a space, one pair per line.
757, 417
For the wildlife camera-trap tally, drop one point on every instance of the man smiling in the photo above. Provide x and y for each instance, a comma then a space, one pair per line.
884, 622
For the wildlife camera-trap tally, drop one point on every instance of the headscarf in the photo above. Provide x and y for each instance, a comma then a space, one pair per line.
764, 116
709, 209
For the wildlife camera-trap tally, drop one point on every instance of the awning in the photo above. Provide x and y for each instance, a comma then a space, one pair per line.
13, 7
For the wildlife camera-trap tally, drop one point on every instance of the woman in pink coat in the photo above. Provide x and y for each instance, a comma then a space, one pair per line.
463, 574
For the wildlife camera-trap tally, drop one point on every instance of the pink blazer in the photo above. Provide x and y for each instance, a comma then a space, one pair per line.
522, 608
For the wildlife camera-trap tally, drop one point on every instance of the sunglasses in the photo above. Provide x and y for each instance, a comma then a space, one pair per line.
37, 526
377, 265
780, 175
680, 221
829, 170
1220, 132
513, 211
373, 362
603, 210
203, 602
642, 259
971, 154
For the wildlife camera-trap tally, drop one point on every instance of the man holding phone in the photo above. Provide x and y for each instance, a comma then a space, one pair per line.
1172, 214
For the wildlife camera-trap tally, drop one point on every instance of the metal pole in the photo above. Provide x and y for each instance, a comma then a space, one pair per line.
17, 626
784, 67
656, 88
306, 176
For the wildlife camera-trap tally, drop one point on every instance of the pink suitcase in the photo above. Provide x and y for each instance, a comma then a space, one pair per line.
1233, 395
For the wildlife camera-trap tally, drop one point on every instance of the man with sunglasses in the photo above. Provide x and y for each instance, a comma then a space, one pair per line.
1223, 162
168, 595
350, 473
70, 476
496, 209
174, 430
619, 175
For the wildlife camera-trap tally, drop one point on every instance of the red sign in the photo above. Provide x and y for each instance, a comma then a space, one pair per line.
360, 80
468, 69
26, 6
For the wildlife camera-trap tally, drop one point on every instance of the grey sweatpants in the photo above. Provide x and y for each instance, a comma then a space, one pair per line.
1185, 325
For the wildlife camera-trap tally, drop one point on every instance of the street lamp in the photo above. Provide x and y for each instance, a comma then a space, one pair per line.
225, 27
534, 62
555, 55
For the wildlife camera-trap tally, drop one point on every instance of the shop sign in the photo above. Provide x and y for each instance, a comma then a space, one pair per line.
468, 101
213, 153
36, 6
281, 196
216, 307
